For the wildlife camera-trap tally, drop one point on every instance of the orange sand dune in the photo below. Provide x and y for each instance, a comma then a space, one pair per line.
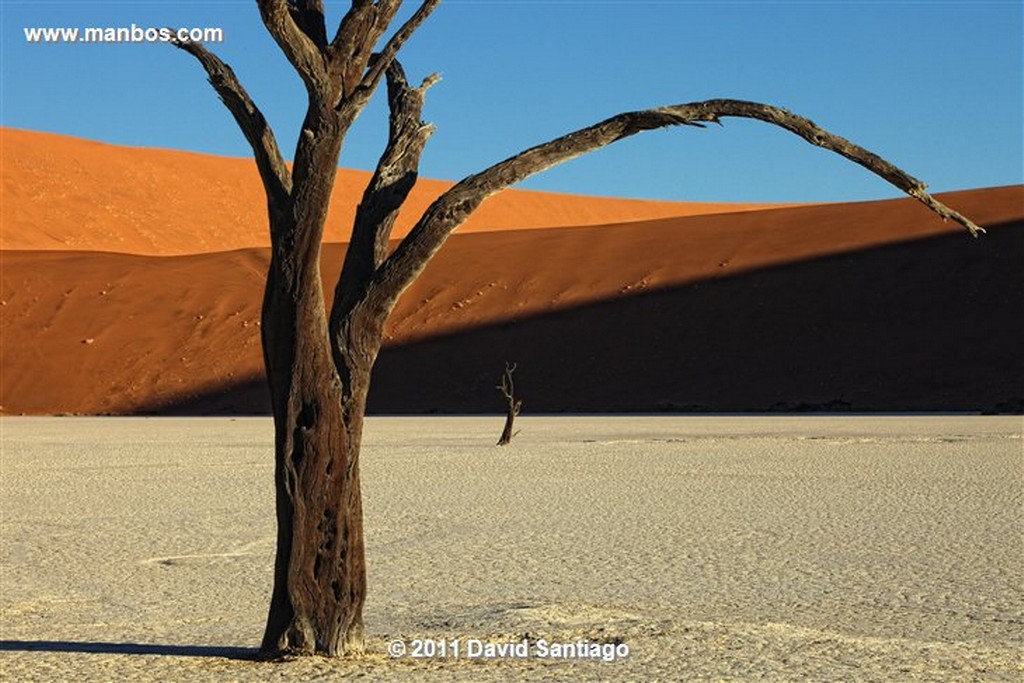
875, 305
65, 193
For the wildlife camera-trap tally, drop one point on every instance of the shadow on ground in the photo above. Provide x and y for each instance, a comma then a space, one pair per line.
126, 649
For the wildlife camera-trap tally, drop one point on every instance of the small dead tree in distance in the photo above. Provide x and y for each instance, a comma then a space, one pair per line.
318, 363
514, 405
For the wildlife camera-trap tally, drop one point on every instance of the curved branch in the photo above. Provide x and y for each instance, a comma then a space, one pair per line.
452, 208
277, 179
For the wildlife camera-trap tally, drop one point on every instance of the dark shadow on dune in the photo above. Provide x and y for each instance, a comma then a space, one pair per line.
923, 326
127, 649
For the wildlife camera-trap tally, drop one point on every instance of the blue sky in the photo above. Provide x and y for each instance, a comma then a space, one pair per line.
936, 87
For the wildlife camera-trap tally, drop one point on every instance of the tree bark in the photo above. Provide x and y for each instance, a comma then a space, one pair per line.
319, 570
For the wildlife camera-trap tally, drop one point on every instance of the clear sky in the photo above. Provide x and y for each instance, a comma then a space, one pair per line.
936, 87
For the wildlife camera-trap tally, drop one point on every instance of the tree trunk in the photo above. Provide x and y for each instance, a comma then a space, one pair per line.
319, 373
507, 433
319, 571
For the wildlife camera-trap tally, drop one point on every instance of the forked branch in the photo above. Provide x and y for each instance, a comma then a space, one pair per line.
359, 30
350, 53
277, 179
309, 17
393, 179
387, 55
300, 49
452, 208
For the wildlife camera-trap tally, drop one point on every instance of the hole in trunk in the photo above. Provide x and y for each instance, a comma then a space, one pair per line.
306, 419
308, 414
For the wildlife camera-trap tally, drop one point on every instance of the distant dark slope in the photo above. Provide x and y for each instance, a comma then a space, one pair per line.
921, 326
931, 325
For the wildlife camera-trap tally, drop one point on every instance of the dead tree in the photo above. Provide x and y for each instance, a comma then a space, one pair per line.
514, 405
317, 362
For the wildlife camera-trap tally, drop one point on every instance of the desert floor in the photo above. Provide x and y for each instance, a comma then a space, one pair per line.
714, 548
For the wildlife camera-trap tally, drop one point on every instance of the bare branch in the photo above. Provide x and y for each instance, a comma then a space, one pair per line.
298, 47
390, 185
508, 386
452, 208
276, 178
390, 51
